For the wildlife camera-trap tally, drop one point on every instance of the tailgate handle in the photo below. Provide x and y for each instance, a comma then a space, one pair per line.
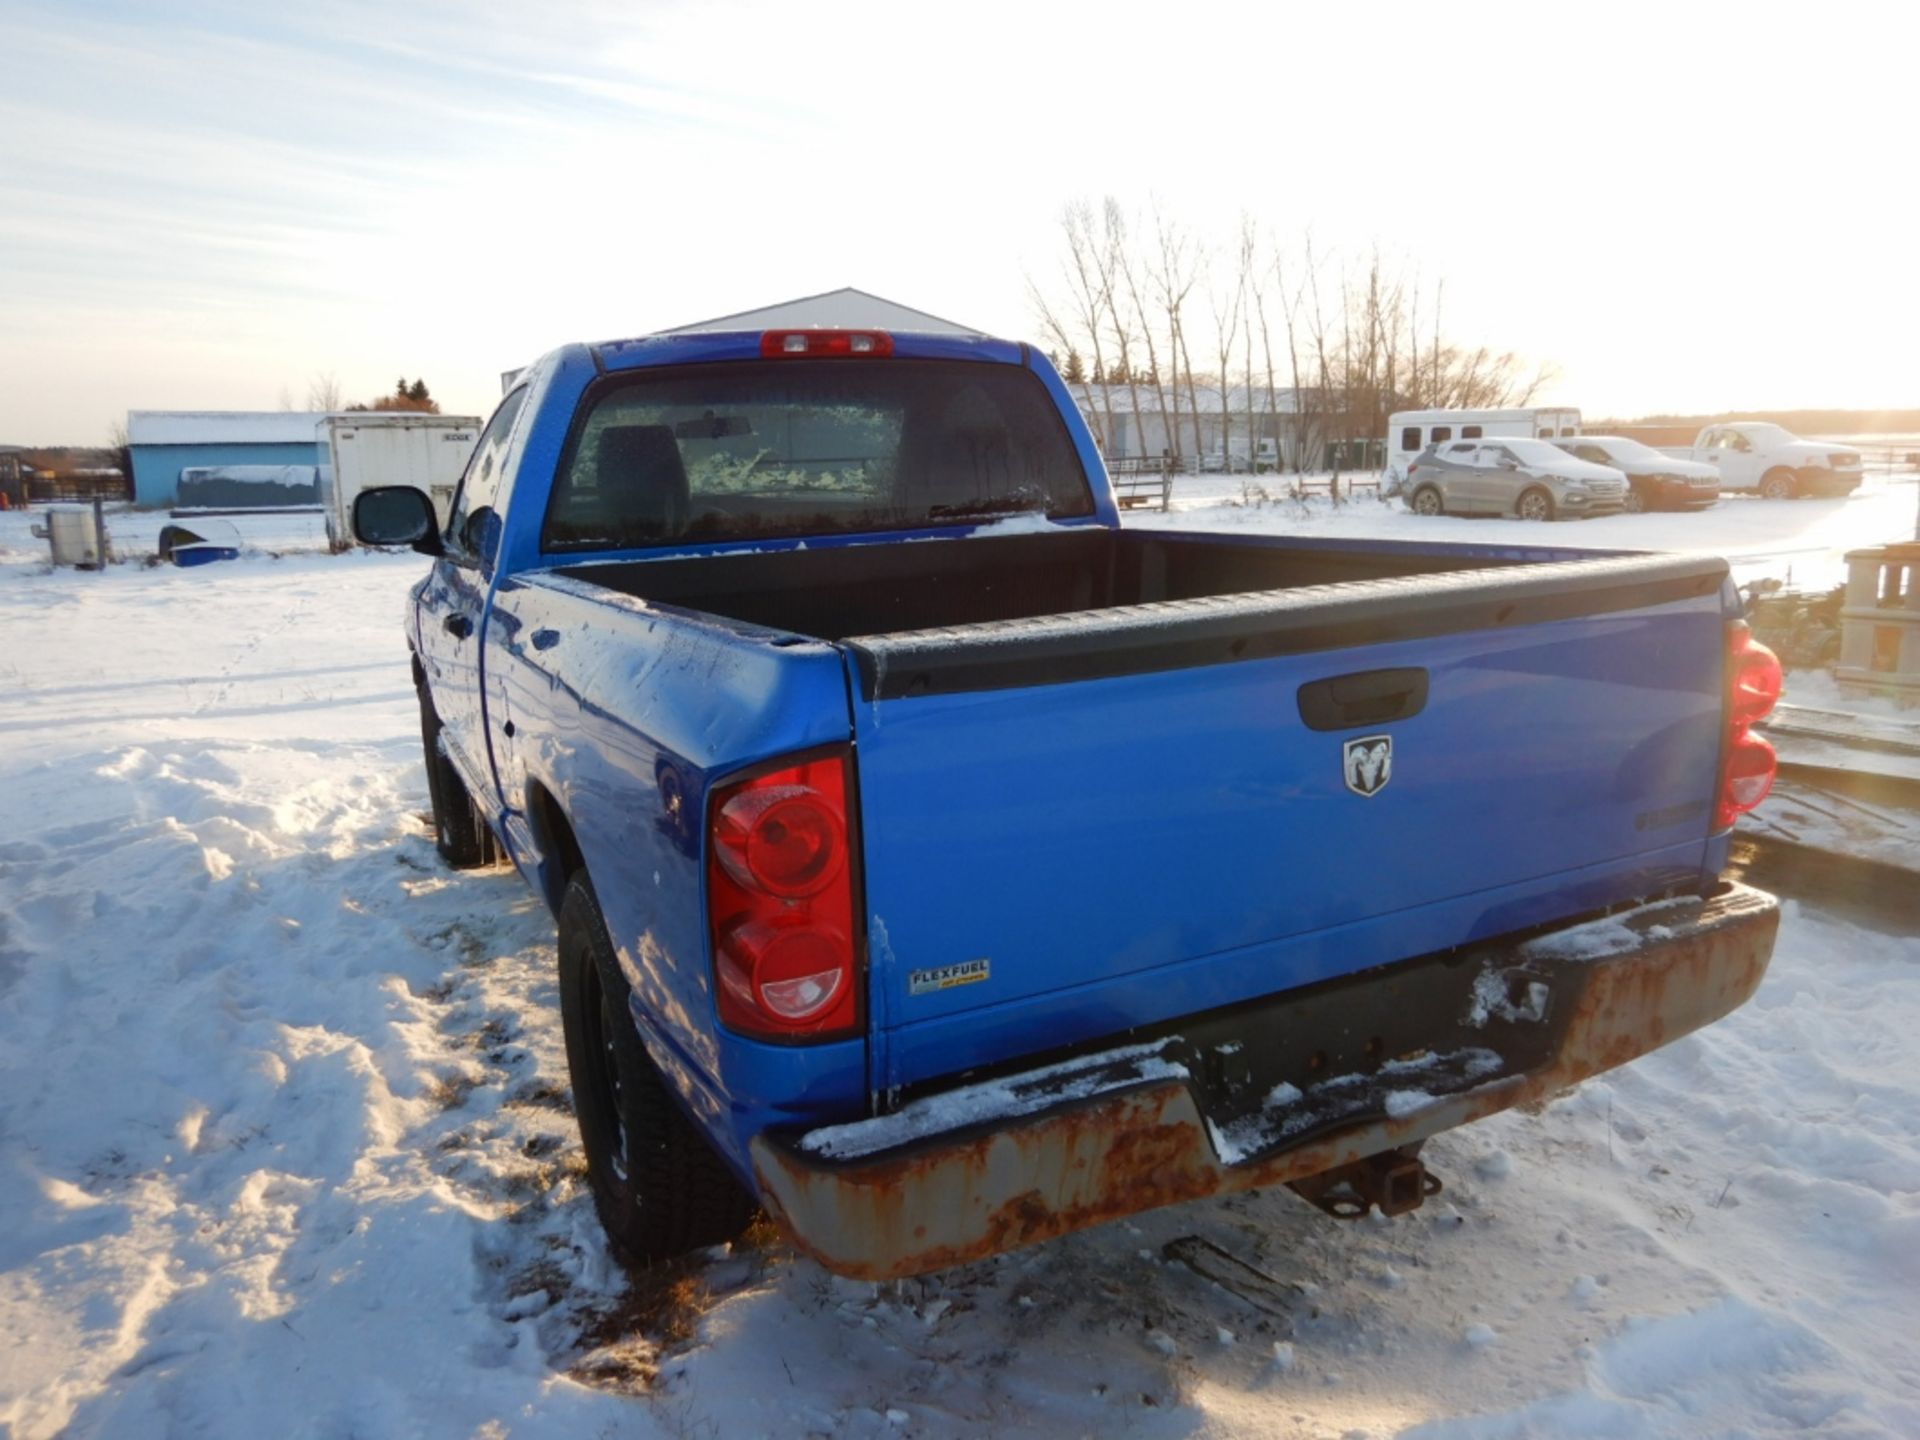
1372, 697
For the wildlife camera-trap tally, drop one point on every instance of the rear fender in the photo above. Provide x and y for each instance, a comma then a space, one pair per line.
626, 715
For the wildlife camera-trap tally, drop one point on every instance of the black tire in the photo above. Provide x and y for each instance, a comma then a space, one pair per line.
1426, 501
1779, 484
459, 832
658, 1187
1535, 504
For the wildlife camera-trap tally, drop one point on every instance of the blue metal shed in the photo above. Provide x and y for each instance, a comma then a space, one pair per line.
165, 442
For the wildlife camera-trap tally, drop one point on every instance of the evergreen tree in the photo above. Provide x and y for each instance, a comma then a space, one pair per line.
1076, 371
417, 392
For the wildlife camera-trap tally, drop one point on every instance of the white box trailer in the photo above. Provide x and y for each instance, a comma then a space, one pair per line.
390, 447
1411, 431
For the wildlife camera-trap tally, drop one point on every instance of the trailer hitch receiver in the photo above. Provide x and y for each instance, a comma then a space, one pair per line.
1393, 1183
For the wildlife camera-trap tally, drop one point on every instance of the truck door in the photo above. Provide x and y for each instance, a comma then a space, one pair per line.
1707, 450
453, 606
1740, 465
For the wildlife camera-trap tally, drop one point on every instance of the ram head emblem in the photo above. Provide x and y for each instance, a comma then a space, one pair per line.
1368, 763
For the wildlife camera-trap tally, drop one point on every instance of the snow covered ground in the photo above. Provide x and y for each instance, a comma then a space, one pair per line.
284, 1146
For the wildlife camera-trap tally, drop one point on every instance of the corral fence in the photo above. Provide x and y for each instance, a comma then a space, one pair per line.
1888, 454
54, 489
1142, 480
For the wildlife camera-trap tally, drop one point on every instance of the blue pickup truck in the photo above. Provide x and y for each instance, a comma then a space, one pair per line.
944, 867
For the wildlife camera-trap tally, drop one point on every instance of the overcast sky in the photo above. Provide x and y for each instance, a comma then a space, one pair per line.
204, 205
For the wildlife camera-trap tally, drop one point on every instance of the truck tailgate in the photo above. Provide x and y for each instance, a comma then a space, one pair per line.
1080, 824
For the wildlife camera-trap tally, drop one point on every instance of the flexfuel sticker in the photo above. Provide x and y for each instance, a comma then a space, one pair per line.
947, 977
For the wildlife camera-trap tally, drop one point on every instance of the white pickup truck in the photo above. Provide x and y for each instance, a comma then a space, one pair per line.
1759, 455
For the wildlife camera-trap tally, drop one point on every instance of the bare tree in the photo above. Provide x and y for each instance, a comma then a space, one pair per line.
1226, 302
1061, 333
1248, 278
323, 392
120, 452
1129, 274
1109, 257
1259, 291
1086, 289
1363, 336
1302, 406
1173, 279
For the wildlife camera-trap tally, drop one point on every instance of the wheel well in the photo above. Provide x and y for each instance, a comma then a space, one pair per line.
557, 844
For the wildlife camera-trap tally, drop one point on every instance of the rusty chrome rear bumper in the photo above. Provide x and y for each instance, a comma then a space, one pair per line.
976, 1171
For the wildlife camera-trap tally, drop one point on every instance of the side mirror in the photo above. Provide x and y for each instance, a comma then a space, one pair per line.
396, 515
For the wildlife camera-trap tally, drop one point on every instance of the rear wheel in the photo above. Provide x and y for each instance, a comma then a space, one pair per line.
1778, 485
1426, 501
658, 1187
1535, 505
459, 832
1636, 502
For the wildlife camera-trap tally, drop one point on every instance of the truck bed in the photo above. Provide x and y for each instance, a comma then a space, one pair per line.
998, 611
833, 592
1103, 771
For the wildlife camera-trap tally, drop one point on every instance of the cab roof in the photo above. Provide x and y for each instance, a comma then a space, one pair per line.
708, 346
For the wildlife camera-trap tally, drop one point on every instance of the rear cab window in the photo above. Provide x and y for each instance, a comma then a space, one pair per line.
748, 450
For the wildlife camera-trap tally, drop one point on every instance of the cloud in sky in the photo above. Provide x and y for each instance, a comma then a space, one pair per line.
202, 205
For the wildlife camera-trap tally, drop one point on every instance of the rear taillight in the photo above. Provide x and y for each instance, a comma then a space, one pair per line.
1754, 678
824, 344
1753, 688
780, 883
1750, 767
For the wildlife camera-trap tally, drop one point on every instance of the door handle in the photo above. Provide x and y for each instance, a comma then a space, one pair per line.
1372, 697
457, 625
